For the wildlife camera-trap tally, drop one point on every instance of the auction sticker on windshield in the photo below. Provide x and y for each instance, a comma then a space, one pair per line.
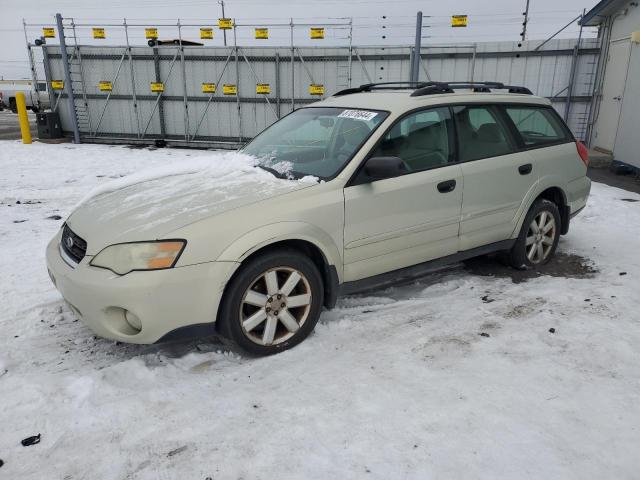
365, 115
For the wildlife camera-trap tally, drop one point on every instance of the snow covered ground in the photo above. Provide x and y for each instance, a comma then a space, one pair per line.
395, 384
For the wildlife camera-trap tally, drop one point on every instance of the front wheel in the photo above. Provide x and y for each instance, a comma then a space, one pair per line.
272, 303
539, 236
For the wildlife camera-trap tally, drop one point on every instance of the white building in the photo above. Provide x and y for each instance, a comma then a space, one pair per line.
616, 109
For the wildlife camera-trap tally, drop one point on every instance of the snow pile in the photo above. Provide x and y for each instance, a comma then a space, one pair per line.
455, 376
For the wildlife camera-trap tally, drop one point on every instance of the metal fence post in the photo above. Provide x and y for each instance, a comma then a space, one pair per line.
156, 65
415, 66
350, 50
473, 61
67, 80
235, 47
133, 79
293, 91
572, 73
277, 84
184, 85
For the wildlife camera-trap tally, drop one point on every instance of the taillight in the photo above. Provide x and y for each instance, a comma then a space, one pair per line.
583, 152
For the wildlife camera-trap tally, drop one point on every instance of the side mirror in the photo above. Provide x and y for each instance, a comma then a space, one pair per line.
379, 168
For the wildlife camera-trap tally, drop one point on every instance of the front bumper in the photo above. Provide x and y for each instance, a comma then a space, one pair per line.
163, 300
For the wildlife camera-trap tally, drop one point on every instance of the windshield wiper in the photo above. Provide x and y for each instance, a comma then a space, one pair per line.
290, 175
272, 171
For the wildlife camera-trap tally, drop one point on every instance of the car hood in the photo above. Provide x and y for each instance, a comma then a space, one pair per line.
150, 204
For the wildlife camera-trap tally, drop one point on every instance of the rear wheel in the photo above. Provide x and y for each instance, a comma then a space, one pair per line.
272, 303
539, 236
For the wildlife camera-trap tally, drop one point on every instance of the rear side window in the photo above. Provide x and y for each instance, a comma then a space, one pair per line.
481, 133
538, 126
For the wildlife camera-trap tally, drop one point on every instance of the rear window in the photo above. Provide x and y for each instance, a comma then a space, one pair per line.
538, 126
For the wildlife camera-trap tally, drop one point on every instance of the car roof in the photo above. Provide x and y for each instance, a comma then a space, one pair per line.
400, 101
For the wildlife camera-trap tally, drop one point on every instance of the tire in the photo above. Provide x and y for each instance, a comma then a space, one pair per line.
534, 248
256, 312
13, 106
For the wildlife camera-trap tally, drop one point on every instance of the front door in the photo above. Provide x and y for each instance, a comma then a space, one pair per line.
409, 219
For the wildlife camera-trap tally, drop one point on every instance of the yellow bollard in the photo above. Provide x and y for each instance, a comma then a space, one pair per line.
22, 118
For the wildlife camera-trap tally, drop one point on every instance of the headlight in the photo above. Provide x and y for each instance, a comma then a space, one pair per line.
123, 258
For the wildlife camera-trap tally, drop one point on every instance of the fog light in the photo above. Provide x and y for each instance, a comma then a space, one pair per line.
133, 320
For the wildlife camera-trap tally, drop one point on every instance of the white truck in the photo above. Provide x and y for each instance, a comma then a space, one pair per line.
36, 97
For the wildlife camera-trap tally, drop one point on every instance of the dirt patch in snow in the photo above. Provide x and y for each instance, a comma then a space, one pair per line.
566, 265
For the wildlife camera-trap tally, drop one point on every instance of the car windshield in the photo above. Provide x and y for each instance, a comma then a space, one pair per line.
316, 141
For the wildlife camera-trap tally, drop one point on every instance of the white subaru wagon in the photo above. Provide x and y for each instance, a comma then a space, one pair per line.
409, 177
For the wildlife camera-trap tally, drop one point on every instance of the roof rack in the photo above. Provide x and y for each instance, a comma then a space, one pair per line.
448, 87
367, 87
430, 88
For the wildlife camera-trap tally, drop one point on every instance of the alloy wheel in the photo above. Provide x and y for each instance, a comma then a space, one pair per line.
540, 237
275, 306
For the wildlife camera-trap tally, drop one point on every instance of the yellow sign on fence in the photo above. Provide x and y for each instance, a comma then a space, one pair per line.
105, 86
57, 84
49, 32
458, 20
157, 87
208, 88
151, 33
263, 88
262, 33
206, 33
316, 33
225, 23
316, 89
98, 33
229, 89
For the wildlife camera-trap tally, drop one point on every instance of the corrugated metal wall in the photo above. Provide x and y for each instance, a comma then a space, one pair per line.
183, 114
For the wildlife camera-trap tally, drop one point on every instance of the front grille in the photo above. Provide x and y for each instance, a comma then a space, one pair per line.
72, 244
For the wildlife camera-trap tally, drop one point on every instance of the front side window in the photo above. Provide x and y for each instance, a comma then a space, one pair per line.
421, 140
537, 126
316, 141
481, 133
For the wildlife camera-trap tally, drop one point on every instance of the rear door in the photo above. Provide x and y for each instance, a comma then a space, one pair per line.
409, 219
497, 175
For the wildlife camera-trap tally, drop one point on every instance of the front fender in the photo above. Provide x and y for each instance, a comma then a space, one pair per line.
266, 235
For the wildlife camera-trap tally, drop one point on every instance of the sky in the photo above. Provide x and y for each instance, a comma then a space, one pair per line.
375, 22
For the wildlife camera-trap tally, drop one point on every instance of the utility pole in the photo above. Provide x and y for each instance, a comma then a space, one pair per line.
523, 34
415, 64
224, 32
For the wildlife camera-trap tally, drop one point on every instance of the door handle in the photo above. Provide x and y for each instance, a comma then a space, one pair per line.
447, 186
525, 169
